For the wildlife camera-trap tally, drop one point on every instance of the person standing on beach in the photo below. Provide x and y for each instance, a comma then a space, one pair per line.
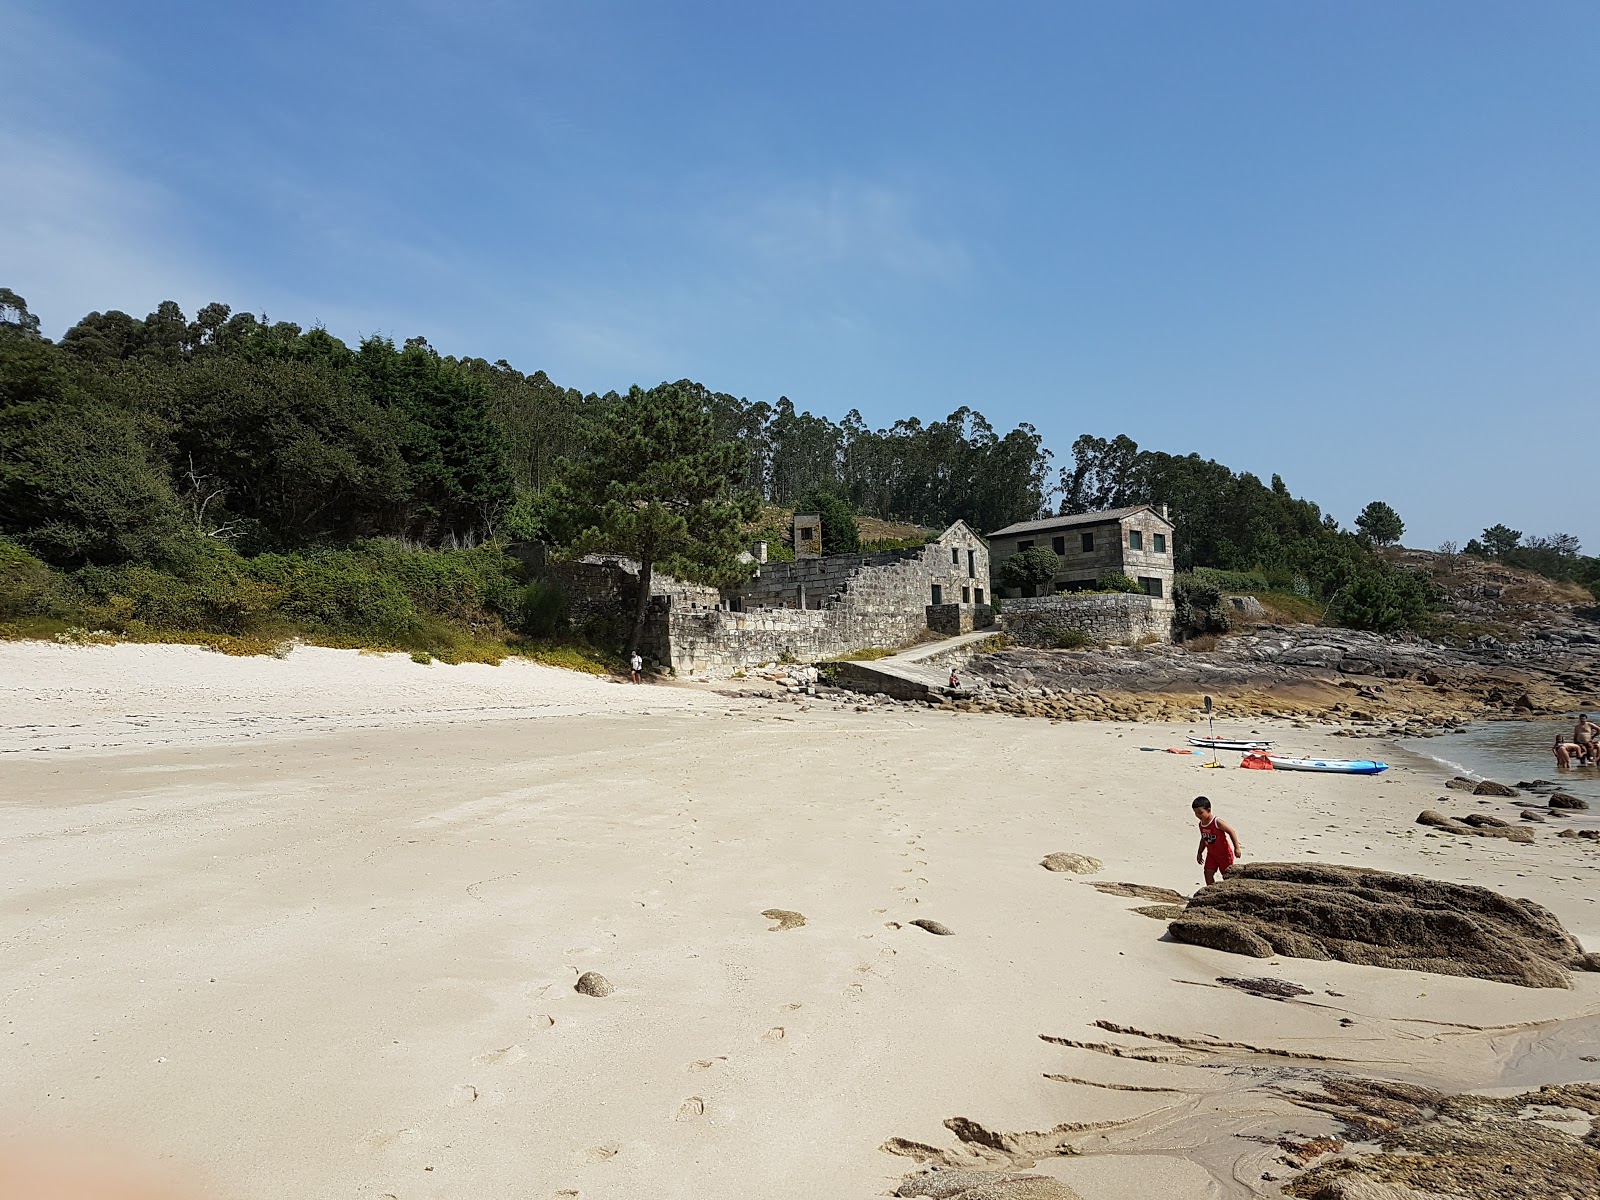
1219, 844
635, 665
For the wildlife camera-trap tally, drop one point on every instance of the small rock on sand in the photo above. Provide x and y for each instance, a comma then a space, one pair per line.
1461, 783
933, 927
592, 983
1272, 989
1078, 864
785, 918
1566, 800
1489, 787
946, 1184
1529, 814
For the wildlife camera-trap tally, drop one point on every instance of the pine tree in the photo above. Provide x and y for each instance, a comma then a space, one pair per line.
659, 486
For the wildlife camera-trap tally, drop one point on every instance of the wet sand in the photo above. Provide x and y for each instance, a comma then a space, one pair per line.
342, 963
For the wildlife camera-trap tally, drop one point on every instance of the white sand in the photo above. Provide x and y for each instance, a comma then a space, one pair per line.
342, 964
108, 697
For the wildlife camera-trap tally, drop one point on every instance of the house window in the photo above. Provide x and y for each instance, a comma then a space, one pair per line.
1152, 587
966, 595
955, 557
978, 593
1088, 543
1135, 540
972, 566
938, 594
1160, 542
1059, 545
807, 532
1024, 545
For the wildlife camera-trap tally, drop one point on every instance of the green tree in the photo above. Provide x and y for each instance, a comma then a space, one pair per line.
1500, 540
1379, 524
659, 486
77, 482
840, 534
1382, 599
1029, 569
14, 314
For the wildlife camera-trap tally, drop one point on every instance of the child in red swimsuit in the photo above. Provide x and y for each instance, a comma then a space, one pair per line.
1219, 844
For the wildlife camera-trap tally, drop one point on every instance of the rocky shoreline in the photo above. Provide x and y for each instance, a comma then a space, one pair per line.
1367, 683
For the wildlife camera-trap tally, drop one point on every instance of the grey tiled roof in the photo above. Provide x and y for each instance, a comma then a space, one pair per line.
1072, 519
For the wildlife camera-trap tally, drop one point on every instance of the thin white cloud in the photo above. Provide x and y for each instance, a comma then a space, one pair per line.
842, 227
81, 235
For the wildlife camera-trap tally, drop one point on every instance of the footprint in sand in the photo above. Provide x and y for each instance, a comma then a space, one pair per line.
705, 1064
510, 1055
542, 1020
790, 1007
691, 1109
599, 1154
775, 1034
464, 1095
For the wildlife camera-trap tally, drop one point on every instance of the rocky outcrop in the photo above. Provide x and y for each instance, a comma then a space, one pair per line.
1381, 919
947, 1184
1406, 685
1432, 1144
1473, 825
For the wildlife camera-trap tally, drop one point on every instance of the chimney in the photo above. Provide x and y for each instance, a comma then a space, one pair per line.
761, 552
1164, 516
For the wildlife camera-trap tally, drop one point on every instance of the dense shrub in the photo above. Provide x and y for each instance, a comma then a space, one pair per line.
1117, 582
1028, 569
1198, 607
540, 610
1382, 599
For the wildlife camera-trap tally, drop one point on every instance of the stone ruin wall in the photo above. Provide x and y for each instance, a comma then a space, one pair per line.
1116, 618
872, 604
853, 602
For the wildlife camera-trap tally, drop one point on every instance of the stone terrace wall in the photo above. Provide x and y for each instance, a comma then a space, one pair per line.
1117, 618
780, 583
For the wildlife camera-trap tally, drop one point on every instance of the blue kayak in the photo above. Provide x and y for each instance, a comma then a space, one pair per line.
1335, 766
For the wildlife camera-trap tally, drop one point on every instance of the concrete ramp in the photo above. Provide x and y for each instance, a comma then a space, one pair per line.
921, 673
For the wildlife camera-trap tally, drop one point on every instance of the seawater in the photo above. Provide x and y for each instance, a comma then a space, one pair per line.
1509, 752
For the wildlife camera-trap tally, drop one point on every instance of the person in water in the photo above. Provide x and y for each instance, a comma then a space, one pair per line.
1587, 735
1219, 844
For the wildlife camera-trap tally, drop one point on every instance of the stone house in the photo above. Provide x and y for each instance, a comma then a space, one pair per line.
818, 607
1136, 542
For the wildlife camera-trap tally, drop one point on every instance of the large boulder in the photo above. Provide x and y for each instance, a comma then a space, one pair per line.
1569, 801
1488, 787
1381, 919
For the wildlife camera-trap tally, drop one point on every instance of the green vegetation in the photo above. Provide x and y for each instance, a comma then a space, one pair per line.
840, 534
240, 482
1379, 524
1556, 556
1029, 569
1073, 639
1199, 611
659, 486
1116, 581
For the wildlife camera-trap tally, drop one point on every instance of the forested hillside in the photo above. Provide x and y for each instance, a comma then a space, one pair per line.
230, 473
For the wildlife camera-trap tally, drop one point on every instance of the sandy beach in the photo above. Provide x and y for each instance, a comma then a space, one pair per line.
311, 927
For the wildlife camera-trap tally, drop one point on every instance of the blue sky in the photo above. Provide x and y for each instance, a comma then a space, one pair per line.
1357, 244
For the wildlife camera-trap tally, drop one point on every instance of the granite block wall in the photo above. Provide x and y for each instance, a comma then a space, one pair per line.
1114, 618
